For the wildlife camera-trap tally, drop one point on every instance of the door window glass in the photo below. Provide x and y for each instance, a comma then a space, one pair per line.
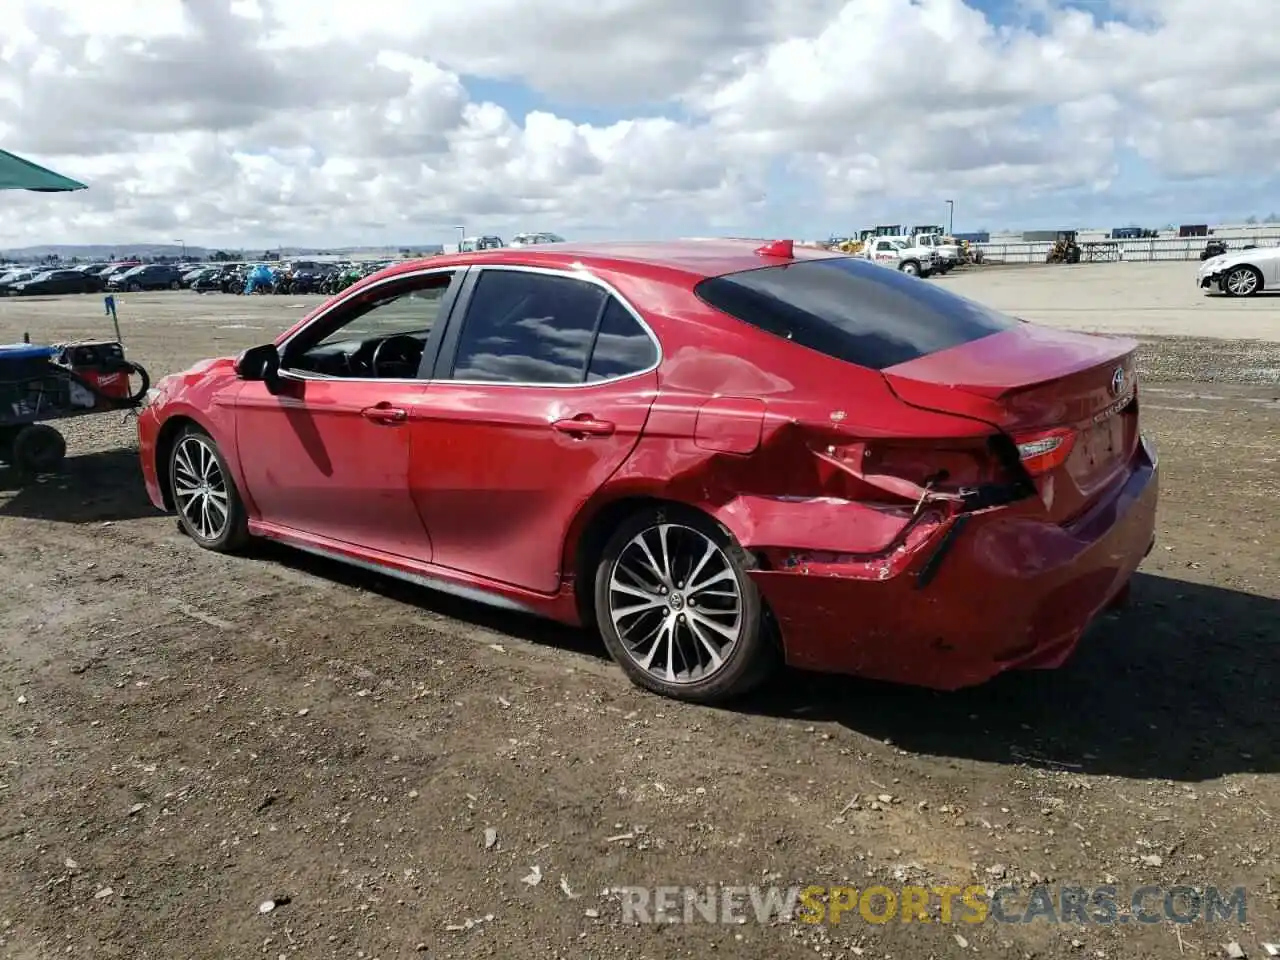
622, 347
413, 312
389, 323
528, 328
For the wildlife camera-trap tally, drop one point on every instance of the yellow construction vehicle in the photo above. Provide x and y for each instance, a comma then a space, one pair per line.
1065, 248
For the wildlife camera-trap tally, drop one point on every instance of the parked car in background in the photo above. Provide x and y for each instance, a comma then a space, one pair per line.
8, 279
148, 276
208, 281
532, 239
1241, 273
711, 451
895, 253
53, 282
472, 244
111, 269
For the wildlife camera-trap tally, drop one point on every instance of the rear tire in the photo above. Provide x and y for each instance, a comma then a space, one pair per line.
210, 510
704, 645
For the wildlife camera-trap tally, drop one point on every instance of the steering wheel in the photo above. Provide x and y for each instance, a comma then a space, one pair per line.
400, 354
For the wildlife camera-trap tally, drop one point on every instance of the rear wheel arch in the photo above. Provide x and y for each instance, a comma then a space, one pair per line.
596, 525
754, 649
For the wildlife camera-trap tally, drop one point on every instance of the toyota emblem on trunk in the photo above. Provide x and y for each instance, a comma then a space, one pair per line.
1117, 381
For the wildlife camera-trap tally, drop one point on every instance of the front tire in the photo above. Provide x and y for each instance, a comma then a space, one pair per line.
1242, 281
209, 507
910, 268
678, 610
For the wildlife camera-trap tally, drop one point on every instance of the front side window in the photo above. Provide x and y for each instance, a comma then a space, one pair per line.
412, 313
382, 332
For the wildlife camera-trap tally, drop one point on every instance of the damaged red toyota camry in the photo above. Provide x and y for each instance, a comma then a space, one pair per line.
725, 456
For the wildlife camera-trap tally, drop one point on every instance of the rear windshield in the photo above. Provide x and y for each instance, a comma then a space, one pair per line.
853, 310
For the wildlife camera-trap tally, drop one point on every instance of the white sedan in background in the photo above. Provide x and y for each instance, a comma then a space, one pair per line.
531, 239
1242, 273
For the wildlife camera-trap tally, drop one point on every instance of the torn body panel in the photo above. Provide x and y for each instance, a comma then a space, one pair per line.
1012, 591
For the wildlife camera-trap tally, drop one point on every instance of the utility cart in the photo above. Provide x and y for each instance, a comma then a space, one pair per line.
40, 384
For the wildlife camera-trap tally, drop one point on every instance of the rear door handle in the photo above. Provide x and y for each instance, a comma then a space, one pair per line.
385, 413
585, 425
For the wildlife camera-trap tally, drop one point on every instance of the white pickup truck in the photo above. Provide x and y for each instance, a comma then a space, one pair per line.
948, 253
901, 254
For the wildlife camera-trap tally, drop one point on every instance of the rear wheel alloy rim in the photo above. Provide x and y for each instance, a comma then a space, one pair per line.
200, 488
1242, 281
676, 603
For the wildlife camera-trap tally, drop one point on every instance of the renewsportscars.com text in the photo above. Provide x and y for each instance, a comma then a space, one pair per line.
971, 904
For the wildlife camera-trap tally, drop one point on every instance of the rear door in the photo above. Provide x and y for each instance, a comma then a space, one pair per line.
540, 394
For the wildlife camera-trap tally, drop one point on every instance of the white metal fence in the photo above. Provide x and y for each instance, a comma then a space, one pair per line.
1158, 248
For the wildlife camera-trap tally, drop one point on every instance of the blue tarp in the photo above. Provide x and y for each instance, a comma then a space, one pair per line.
259, 276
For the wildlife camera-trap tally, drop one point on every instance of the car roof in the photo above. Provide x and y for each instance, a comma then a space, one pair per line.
691, 259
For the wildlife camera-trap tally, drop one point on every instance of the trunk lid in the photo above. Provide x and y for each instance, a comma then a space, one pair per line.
1031, 380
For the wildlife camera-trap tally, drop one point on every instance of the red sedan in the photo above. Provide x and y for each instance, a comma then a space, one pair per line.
721, 454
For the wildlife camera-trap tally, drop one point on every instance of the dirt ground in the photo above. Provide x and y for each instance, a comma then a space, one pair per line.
185, 736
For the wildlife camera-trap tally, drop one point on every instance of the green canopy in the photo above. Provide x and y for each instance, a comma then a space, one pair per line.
19, 174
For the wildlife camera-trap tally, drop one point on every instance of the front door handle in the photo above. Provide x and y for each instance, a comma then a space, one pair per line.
585, 425
385, 413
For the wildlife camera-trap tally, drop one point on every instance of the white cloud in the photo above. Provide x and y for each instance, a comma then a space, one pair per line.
263, 121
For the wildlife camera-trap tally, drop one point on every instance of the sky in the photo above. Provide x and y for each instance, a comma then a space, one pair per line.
332, 123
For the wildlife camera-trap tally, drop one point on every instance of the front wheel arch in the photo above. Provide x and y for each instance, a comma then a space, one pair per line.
1237, 268
168, 435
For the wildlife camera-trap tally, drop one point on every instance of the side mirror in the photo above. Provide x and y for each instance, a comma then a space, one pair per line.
261, 364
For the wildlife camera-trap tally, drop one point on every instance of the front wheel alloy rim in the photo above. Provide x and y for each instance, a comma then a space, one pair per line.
676, 603
200, 488
1242, 281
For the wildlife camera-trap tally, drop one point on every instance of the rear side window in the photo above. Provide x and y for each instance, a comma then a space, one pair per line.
528, 328
622, 347
543, 329
852, 310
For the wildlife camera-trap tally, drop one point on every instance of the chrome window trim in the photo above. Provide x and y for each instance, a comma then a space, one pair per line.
573, 273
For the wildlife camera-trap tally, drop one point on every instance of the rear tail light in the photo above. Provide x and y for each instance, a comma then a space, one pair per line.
1045, 451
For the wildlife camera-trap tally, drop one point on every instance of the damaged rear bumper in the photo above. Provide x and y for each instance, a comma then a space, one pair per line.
972, 597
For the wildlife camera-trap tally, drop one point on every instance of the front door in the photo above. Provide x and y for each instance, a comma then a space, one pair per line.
536, 401
327, 453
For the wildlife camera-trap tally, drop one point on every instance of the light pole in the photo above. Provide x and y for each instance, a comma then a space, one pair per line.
951, 218
183, 244
462, 234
